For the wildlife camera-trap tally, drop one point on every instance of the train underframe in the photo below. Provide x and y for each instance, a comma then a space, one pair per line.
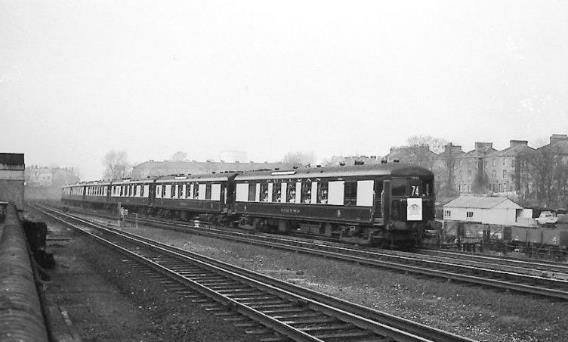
397, 235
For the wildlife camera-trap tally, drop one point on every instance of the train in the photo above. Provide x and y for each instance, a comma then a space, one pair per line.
389, 205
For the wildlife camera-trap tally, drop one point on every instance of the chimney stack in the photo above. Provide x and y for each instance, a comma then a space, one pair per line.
513, 143
557, 138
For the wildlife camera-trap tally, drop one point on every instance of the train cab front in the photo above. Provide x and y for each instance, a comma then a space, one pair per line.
408, 211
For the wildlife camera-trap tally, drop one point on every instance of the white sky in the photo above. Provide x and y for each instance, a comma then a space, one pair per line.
79, 78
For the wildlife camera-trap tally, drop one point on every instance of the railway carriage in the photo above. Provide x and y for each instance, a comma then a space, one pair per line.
94, 193
73, 194
387, 204
133, 194
186, 196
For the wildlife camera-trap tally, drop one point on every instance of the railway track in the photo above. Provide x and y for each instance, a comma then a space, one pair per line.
520, 277
545, 268
273, 309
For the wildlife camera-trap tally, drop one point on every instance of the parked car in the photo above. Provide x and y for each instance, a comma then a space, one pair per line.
546, 218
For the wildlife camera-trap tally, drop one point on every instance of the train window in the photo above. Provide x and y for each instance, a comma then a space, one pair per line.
180, 190
208, 191
257, 193
242, 192
202, 191
291, 193
469, 214
336, 190
429, 188
121, 190
283, 191
174, 190
398, 187
142, 188
276, 192
299, 192
306, 192
270, 193
216, 192
365, 193
350, 194
164, 190
264, 192
322, 192
187, 190
135, 189
195, 190
251, 192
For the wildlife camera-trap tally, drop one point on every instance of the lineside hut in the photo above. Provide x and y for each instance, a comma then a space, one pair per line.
473, 219
485, 210
12, 178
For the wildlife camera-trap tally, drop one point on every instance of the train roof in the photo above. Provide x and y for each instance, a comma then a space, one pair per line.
210, 177
392, 169
87, 183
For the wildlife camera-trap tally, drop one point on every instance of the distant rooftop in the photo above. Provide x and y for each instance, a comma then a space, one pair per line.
480, 202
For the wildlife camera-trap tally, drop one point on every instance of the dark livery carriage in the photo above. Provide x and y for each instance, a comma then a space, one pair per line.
376, 204
386, 204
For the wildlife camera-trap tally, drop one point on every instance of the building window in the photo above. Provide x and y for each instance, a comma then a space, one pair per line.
504, 174
448, 213
469, 214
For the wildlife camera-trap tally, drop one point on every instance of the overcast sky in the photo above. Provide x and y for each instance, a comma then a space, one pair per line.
79, 78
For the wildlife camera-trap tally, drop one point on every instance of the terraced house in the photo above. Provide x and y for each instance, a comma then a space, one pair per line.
533, 176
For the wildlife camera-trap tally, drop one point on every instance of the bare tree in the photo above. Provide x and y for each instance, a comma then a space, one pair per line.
480, 184
548, 175
179, 156
116, 165
299, 158
444, 168
436, 145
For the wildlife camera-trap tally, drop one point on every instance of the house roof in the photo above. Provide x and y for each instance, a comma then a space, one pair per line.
481, 202
513, 151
